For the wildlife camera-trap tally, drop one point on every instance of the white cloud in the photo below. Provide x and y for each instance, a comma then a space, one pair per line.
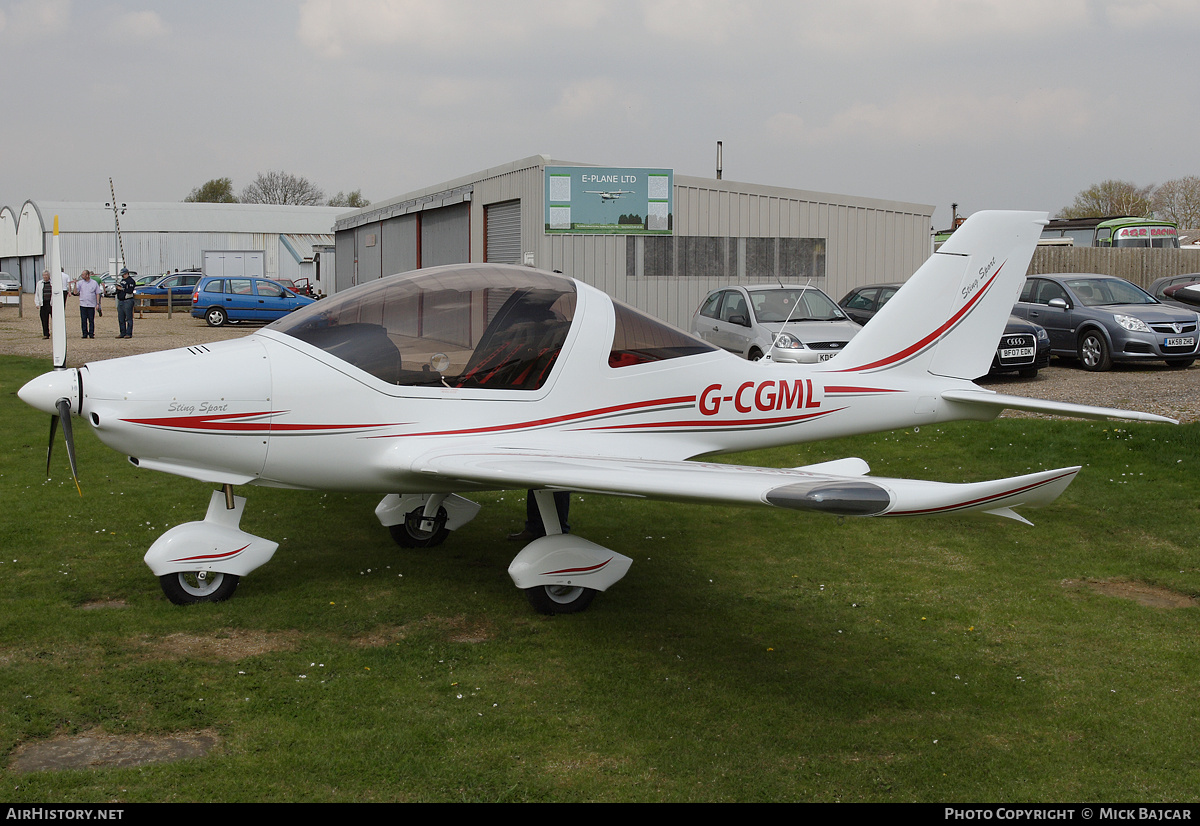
140, 25
1140, 14
945, 118
334, 28
456, 93
599, 100
34, 18
708, 22
860, 26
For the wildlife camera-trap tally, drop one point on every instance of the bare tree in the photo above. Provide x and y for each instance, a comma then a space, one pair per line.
1111, 198
277, 187
216, 191
354, 200
1179, 201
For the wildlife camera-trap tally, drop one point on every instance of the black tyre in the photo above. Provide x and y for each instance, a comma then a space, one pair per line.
1028, 373
409, 534
216, 317
190, 587
1093, 352
560, 599
1180, 364
755, 354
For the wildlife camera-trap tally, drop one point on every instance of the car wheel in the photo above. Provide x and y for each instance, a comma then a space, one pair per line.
1093, 352
1028, 373
1179, 364
216, 317
755, 354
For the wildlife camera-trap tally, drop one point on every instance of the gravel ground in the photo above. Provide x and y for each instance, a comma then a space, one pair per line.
22, 336
1149, 387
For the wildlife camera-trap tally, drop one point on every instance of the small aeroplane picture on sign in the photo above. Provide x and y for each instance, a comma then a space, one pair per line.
608, 194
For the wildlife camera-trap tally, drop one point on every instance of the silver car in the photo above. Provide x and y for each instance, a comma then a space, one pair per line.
1100, 319
802, 324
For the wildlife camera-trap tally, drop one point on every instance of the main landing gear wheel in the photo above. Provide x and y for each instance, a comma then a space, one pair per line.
410, 534
216, 317
560, 599
190, 587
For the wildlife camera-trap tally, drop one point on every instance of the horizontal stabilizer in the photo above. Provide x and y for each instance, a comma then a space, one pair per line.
986, 398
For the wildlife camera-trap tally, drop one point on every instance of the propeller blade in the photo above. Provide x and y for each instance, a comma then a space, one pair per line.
64, 413
50, 447
58, 307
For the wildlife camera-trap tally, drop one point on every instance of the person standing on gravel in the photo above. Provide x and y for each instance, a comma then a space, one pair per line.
125, 289
89, 303
43, 298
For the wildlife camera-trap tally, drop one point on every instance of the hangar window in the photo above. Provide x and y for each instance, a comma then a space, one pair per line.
703, 256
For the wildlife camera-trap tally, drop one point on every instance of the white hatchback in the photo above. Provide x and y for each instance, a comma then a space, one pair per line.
790, 324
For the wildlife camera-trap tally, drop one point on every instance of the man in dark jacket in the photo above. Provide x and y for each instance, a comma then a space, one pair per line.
125, 289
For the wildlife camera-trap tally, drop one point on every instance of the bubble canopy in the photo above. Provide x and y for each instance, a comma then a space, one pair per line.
490, 326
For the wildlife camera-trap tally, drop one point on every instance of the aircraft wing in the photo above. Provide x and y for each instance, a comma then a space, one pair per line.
841, 488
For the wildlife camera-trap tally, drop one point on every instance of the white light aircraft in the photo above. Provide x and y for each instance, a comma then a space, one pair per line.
466, 377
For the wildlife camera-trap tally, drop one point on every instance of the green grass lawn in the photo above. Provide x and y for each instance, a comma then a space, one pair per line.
750, 654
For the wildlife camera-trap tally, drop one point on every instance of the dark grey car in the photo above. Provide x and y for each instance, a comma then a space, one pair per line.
1164, 289
1100, 319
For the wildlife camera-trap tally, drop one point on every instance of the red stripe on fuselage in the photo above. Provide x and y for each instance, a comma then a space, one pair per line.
208, 424
600, 411
711, 423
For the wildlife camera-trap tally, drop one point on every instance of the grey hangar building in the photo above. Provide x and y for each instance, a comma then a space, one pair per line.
647, 237
162, 237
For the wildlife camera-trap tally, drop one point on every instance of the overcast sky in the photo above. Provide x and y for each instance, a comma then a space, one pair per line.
1004, 104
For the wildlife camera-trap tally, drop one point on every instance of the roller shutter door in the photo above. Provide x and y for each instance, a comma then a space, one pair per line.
503, 223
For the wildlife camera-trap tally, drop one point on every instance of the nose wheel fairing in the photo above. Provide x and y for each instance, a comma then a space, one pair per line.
215, 545
560, 573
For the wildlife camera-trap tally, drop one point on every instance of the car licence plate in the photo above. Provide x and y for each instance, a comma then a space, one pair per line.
1016, 352
1180, 341
825, 356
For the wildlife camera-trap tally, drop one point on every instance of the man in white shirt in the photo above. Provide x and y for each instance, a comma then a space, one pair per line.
90, 293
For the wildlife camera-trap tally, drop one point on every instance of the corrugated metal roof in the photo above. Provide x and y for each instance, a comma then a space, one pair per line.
300, 245
443, 194
189, 217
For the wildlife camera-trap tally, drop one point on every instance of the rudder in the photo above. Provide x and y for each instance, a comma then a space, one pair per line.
948, 318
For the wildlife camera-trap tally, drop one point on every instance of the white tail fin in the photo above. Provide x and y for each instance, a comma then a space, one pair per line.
948, 318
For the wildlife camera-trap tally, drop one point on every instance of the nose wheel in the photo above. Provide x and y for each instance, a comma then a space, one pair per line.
190, 587
559, 599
